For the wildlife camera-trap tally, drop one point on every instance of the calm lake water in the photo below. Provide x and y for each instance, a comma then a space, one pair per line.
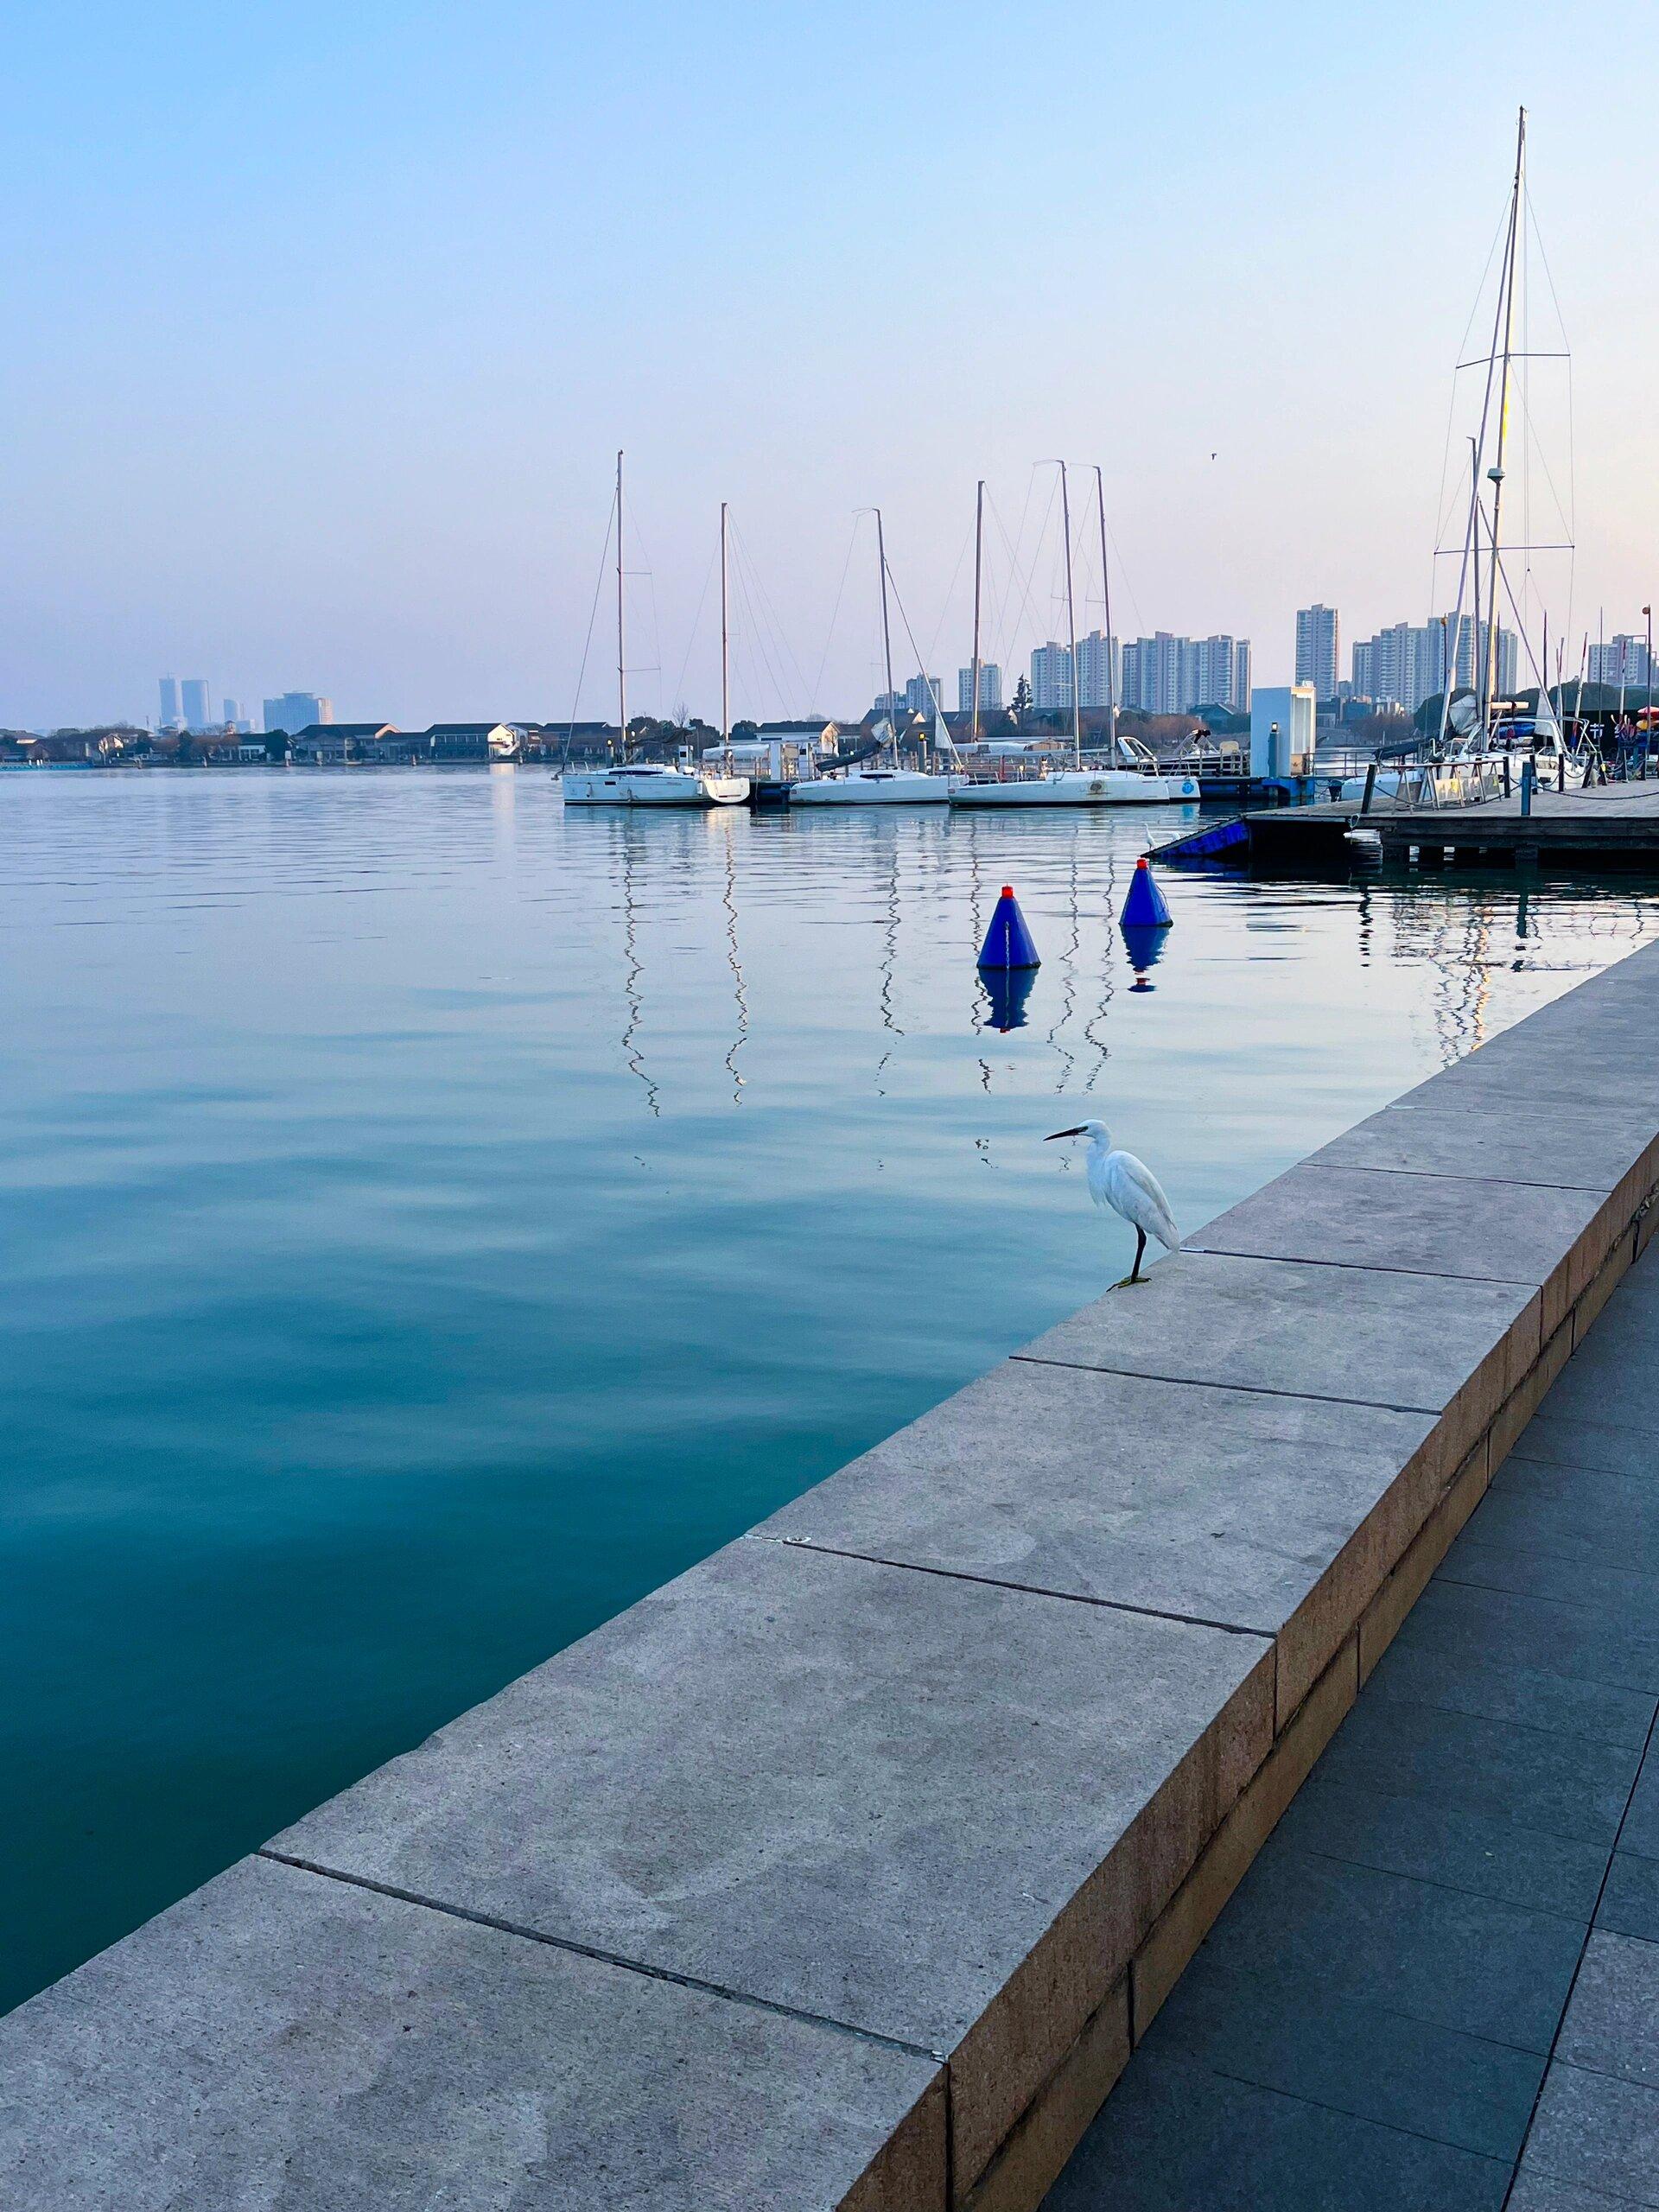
432, 1221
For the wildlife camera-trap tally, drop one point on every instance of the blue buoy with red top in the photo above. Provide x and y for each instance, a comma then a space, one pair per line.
1009, 942
1146, 907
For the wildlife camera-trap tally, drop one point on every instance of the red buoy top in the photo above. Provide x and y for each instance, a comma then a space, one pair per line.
1007, 891
1141, 861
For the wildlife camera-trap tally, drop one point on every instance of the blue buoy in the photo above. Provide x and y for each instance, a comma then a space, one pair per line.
1008, 942
1146, 907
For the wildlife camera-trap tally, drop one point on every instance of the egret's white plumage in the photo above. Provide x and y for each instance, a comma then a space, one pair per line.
1128, 1186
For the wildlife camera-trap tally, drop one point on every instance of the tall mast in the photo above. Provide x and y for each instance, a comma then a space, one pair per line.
1106, 594
1496, 473
979, 547
1477, 654
725, 684
1071, 620
621, 656
886, 635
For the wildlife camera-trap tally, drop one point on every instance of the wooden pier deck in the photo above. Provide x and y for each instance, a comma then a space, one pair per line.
1612, 822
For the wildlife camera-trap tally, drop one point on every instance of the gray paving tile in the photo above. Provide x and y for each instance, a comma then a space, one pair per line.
1641, 1830
1483, 1232
1475, 1965
1539, 1778
1283, 2033
1612, 2020
283, 2040
1571, 1511
1572, 1440
1438, 1135
1468, 1681
1630, 1903
1273, 1513
1459, 1612
1432, 1843
1538, 2192
1597, 2132
1382, 1338
1173, 2137
1626, 1598
928, 1808
1608, 1389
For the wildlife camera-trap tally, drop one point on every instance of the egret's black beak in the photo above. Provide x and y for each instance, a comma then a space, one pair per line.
1077, 1132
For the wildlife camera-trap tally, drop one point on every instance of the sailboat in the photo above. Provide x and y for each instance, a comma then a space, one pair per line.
653, 783
1128, 777
889, 783
1479, 733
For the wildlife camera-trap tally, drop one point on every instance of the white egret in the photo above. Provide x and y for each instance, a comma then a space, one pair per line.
1118, 1179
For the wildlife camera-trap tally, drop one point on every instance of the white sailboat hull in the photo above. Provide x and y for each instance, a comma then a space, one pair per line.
664, 787
1080, 787
873, 787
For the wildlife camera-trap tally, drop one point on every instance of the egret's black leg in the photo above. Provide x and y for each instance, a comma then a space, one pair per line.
1139, 1247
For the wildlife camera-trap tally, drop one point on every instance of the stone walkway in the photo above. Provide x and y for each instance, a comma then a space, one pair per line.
1438, 1987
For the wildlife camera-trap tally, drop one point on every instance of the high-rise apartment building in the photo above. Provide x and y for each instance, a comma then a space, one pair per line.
169, 687
1509, 655
922, 694
1051, 679
1318, 649
1167, 675
1160, 675
1622, 663
297, 710
1100, 672
1405, 664
990, 689
196, 702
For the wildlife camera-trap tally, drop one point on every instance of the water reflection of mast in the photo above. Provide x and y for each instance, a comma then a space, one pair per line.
1068, 976
1107, 983
889, 956
634, 969
732, 962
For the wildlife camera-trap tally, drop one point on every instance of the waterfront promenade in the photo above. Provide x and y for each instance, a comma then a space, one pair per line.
849, 1868
1445, 1964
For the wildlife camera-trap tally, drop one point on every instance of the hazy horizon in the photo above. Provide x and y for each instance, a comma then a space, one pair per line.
326, 333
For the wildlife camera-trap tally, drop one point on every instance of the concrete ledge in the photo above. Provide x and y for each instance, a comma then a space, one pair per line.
282, 2039
844, 1870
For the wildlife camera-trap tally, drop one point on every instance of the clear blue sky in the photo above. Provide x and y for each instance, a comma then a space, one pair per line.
324, 323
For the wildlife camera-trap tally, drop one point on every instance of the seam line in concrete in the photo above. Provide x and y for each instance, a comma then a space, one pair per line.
1509, 1589
1547, 1555
1608, 1428
1360, 2118
1361, 1266
593, 1951
1451, 1174
1203, 1383
1497, 1720
1556, 1673
1024, 1589
1578, 1964
1456, 1888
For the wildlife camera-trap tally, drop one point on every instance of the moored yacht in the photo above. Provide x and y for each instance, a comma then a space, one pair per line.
654, 782
890, 784
651, 783
1128, 776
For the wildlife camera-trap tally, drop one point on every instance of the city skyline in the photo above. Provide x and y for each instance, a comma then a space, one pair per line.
191, 488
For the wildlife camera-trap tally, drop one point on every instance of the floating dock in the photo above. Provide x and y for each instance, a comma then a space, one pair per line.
845, 1872
1611, 825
